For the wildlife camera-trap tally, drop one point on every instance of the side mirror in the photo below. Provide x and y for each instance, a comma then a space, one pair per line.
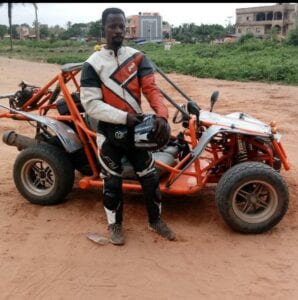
213, 99
193, 108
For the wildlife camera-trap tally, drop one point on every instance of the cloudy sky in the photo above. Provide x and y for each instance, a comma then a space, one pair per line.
174, 13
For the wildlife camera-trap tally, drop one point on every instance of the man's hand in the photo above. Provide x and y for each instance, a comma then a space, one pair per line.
162, 130
133, 119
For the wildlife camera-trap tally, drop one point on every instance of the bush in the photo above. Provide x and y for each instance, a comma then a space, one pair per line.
252, 59
293, 37
246, 37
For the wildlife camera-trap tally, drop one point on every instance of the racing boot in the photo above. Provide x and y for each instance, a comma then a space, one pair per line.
115, 229
113, 206
116, 234
150, 185
162, 229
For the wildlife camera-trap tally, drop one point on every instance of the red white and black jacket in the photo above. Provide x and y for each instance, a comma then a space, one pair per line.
111, 86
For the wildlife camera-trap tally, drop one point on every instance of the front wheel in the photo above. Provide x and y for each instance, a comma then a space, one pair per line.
252, 197
43, 174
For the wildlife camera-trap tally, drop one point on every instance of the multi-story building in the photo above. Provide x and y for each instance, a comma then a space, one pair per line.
23, 31
147, 26
261, 20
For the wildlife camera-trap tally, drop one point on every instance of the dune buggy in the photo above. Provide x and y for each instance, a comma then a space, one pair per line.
240, 154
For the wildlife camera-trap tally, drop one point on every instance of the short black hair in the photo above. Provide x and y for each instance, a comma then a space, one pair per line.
109, 11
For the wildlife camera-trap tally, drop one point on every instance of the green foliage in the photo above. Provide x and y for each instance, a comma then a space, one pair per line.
191, 33
48, 44
274, 34
3, 30
293, 37
66, 58
246, 37
251, 44
75, 30
250, 60
15, 34
44, 31
51, 51
95, 29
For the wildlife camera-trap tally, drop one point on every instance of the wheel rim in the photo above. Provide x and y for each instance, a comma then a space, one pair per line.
255, 201
38, 177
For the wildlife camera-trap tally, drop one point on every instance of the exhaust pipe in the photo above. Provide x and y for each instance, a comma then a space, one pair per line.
20, 141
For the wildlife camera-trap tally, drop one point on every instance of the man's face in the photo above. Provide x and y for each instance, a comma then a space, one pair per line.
115, 30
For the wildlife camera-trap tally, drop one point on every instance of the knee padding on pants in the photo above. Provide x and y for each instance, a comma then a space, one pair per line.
150, 184
112, 192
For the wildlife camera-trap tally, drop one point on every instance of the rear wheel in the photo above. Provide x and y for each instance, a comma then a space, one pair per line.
252, 197
43, 174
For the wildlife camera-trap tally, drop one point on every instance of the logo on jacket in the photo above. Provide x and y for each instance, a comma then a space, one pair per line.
132, 65
120, 135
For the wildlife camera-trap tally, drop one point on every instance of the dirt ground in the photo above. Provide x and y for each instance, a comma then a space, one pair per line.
44, 252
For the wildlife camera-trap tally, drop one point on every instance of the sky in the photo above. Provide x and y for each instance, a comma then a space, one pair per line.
174, 13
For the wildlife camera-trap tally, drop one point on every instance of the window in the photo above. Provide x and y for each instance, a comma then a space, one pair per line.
260, 17
269, 16
258, 30
239, 30
277, 15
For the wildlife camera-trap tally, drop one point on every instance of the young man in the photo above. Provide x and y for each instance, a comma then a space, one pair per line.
112, 81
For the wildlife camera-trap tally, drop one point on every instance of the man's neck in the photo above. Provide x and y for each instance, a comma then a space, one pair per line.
114, 48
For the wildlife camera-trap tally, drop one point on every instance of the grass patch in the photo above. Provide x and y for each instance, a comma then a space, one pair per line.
248, 60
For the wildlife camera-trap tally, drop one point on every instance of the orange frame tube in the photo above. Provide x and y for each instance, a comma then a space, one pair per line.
192, 179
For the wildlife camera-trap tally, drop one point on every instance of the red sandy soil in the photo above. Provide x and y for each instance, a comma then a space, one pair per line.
45, 253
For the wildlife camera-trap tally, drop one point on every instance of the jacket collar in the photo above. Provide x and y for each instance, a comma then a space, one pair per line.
111, 53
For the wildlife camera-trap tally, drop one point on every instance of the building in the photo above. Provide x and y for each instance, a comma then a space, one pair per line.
228, 38
23, 31
147, 26
261, 20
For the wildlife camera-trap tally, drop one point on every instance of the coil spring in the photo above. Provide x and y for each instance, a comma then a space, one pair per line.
242, 152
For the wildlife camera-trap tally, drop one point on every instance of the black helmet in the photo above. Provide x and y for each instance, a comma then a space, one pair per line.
144, 135
141, 136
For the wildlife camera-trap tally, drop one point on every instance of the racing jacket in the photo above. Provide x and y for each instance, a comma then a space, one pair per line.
111, 86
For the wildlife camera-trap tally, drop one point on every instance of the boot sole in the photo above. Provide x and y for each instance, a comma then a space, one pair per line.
173, 238
117, 243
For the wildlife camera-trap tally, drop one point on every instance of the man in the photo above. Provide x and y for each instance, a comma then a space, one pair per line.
112, 81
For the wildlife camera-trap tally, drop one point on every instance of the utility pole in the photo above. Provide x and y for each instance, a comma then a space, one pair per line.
229, 24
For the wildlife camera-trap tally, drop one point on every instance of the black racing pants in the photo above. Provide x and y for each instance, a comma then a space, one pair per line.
143, 164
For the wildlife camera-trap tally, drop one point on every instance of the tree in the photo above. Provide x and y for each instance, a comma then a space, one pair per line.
9, 9
44, 31
190, 33
68, 25
9, 6
230, 29
76, 30
14, 31
95, 29
3, 30
56, 31
36, 24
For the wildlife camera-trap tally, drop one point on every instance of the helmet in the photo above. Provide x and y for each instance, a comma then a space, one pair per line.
141, 136
144, 134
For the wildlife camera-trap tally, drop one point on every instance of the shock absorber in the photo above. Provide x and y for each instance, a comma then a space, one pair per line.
241, 147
